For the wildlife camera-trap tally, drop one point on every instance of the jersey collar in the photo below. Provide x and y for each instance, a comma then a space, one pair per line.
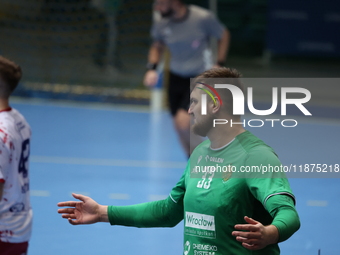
7, 109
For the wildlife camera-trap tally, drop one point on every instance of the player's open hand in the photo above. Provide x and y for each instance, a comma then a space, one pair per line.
150, 78
85, 211
255, 236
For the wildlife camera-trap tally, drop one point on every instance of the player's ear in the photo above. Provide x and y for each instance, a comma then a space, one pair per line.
217, 105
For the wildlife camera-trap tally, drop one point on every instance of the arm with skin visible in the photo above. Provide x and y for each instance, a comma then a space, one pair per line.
163, 213
155, 53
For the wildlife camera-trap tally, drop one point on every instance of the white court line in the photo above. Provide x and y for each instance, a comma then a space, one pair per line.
157, 197
106, 162
120, 196
40, 193
319, 203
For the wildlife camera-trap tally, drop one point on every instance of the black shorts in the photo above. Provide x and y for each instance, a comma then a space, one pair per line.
178, 93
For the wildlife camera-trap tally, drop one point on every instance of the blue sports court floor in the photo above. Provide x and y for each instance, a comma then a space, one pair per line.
123, 156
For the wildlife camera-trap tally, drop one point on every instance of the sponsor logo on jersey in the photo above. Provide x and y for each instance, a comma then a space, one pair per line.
199, 159
199, 249
204, 247
186, 248
20, 125
201, 221
200, 225
214, 159
18, 207
217, 160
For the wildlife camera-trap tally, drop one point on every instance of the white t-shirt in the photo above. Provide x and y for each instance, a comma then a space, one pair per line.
15, 207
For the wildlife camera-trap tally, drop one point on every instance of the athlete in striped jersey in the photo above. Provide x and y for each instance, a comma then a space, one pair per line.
15, 134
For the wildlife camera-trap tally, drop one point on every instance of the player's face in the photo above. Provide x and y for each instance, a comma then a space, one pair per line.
164, 7
202, 124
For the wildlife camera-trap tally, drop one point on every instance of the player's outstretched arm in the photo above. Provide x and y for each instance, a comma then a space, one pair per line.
255, 236
85, 211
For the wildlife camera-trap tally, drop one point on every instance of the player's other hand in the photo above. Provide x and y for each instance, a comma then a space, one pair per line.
255, 236
150, 78
85, 211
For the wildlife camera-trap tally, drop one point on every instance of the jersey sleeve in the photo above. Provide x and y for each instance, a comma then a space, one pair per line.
271, 187
213, 26
285, 216
163, 213
267, 178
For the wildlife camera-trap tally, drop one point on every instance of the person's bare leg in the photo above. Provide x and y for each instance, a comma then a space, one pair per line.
182, 125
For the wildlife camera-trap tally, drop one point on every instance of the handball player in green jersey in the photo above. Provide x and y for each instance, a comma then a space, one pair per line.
226, 210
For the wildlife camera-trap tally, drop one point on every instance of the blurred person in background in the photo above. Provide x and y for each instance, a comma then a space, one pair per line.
186, 31
15, 134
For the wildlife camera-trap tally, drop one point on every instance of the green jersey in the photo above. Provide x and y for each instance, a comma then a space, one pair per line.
218, 188
216, 199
